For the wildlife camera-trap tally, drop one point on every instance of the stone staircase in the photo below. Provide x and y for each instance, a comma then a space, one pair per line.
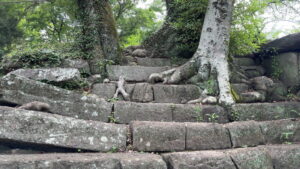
155, 129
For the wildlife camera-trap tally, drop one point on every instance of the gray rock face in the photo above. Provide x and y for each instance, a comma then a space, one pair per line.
251, 97
199, 160
50, 74
83, 161
262, 83
153, 62
254, 71
133, 73
284, 156
104, 90
246, 133
47, 129
244, 61
206, 136
125, 112
266, 111
251, 158
240, 87
175, 93
145, 92
281, 131
278, 92
79, 64
158, 136
288, 65
139, 53
142, 92
20, 90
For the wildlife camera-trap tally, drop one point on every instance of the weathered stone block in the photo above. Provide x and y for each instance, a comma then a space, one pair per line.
246, 133
104, 90
79, 64
20, 90
199, 160
266, 111
281, 131
133, 73
251, 97
284, 156
83, 161
59, 75
251, 158
158, 136
206, 136
125, 112
288, 66
175, 93
240, 87
153, 61
142, 92
253, 71
244, 61
47, 129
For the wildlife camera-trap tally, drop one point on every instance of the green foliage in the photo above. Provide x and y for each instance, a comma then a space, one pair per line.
286, 137
135, 24
247, 26
198, 114
8, 28
187, 19
41, 55
276, 70
212, 117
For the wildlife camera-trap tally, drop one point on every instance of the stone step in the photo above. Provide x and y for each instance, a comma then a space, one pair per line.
265, 111
132, 73
253, 71
171, 136
44, 129
83, 161
20, 90
244, 61
153, 62
145, 92
267, 157
125, 112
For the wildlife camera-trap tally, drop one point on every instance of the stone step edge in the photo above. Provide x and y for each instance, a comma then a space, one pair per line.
156, 136
268, 156
172, 136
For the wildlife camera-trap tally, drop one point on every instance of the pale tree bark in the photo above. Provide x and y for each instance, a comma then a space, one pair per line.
210, 59
100, 40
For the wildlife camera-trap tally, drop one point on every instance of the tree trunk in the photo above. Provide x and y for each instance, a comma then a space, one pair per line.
99, 35
165, 42
210, 59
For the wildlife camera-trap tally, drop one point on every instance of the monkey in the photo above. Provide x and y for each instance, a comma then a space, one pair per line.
36, 106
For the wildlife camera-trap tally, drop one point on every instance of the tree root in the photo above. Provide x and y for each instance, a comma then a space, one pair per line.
120, 89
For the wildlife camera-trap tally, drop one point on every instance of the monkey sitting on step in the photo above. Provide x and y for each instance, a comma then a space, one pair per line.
36, 106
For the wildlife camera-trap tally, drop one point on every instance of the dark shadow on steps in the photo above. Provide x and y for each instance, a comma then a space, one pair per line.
18, 147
